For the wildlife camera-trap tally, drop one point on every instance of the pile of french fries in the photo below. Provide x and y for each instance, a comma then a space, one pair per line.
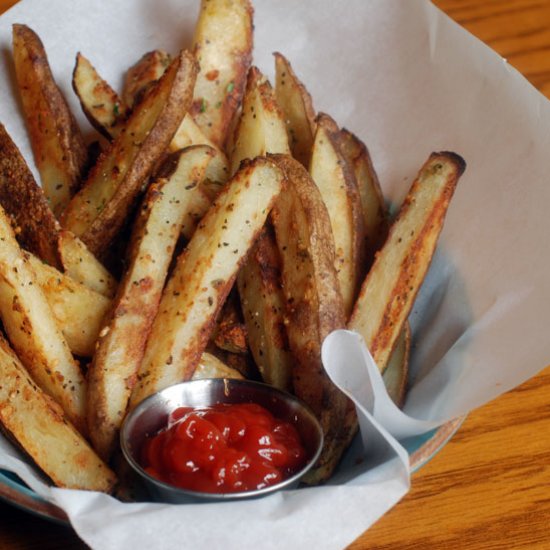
218, 227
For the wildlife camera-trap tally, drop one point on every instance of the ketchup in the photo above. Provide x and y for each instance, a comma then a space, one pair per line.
224, 448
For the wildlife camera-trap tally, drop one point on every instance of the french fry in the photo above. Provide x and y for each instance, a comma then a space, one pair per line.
314, 307
98, 211
375, 212
376, 223
261, 128
120, 348
78, 310
338, 187
99, 102
59, 150
33, 331
263, 306
296, 104
223, 47
80, 264
38, 425
388, 292
211, 367
139, 77
203, 277
25, 202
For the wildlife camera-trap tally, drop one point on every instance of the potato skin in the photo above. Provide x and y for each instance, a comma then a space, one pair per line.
375, 211
58, 146
24, 200
314, 307
140, 76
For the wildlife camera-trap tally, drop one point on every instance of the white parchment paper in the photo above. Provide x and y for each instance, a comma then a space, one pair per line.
408, 81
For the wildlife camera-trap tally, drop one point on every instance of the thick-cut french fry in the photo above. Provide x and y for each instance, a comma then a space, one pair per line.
263, 306
314, 307
99, 102
375, 212
33, 331
140, 76
297, 106
223, 48
388, 292
211, 367
204, 275
121, 344
81, 265
59, 150
98, 211
338, 187
376, 222
78, 310
261, 128
39, 426
25, 202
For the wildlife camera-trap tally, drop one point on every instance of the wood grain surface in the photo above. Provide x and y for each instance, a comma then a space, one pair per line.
489, 488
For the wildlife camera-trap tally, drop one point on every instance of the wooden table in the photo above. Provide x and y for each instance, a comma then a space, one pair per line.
490, 486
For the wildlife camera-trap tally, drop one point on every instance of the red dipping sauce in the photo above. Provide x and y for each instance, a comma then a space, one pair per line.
224, 448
